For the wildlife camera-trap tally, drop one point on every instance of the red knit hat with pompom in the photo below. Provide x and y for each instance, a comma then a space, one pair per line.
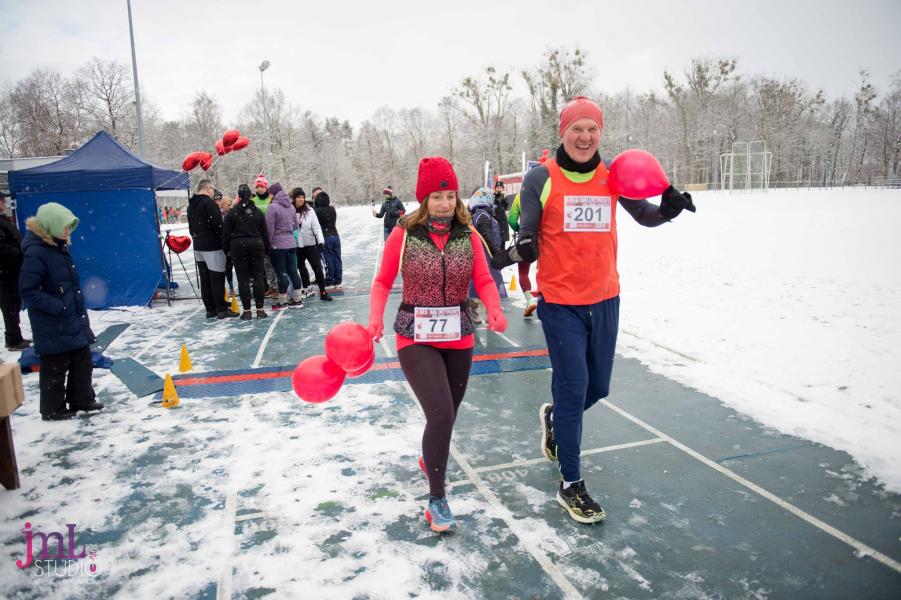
435, 175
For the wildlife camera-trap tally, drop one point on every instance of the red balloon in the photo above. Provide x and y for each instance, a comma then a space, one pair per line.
349, 345
228, 149
230, 137
178, 243
206, 161
220, 148
356, 373
317, 379
242, 142
191, 161
637, 174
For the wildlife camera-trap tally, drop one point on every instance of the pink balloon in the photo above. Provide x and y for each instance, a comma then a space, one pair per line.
349, 345
317, 379
364, 368
637, 174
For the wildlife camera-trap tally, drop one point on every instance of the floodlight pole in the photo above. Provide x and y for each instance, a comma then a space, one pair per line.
263, 66
134, 68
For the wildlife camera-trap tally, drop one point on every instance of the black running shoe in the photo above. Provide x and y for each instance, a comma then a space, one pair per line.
579, 503
548, 439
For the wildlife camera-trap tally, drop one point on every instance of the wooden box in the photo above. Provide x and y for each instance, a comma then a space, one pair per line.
11, 394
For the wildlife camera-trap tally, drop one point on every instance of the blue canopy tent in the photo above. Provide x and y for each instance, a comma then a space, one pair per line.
116, 246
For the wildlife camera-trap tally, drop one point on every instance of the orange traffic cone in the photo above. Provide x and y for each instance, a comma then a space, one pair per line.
184, 362
170, 396
234, 306
512, 283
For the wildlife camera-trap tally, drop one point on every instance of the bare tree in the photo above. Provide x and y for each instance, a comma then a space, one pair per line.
562, 75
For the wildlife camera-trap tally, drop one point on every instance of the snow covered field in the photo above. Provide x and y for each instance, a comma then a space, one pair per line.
782, 305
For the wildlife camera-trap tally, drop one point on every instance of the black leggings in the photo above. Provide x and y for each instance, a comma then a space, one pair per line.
310, 253
248, 260
438, 378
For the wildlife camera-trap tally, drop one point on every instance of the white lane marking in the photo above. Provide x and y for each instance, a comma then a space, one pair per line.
506, 339
569, 591
165, 334
259, 357
250, 516
387, 348
535, 461
860, 547
224, 589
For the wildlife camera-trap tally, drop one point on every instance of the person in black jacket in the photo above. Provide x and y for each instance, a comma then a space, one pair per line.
331, 254
500, 211
205, 225
10, 265
52, 294
392, 210
246, 238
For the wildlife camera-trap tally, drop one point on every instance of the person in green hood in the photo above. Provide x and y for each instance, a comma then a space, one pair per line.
51, 291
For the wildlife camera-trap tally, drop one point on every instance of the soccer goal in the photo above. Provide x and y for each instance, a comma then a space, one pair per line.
747, 167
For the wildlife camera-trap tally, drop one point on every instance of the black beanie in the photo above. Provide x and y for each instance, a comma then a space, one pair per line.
244, 192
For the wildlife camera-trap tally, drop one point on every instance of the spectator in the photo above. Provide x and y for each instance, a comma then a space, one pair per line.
246, 237
225, 205
480, 206
10, 266
525, 284
50, 287
500, 211
262, 199
205, 226
392, 210
332, 252
310, 243
282, 225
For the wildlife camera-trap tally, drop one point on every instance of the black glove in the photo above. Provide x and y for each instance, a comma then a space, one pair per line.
321, 247
672, 202
524, 250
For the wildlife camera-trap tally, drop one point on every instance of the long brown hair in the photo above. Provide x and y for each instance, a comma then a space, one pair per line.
421, 215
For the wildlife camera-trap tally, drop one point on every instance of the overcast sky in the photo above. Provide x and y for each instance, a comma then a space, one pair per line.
346, 59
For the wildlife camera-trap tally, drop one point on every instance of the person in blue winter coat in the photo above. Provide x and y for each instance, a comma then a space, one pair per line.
51, 291
481, 206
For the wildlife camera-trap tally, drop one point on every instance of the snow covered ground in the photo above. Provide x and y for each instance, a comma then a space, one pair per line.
782, 305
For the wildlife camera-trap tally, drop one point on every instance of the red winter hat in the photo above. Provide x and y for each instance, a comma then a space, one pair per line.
435, 175
261, 181
580, 107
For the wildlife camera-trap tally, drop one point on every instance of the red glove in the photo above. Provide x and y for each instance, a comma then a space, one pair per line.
377, 326
497, 321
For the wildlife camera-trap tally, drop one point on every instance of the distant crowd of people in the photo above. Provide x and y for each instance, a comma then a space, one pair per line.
264, 238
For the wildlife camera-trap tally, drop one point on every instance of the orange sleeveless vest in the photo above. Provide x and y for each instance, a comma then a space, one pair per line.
577, 260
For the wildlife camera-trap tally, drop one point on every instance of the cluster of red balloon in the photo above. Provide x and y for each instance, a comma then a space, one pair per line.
231, 141
636, 174
204, 159
349, 352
